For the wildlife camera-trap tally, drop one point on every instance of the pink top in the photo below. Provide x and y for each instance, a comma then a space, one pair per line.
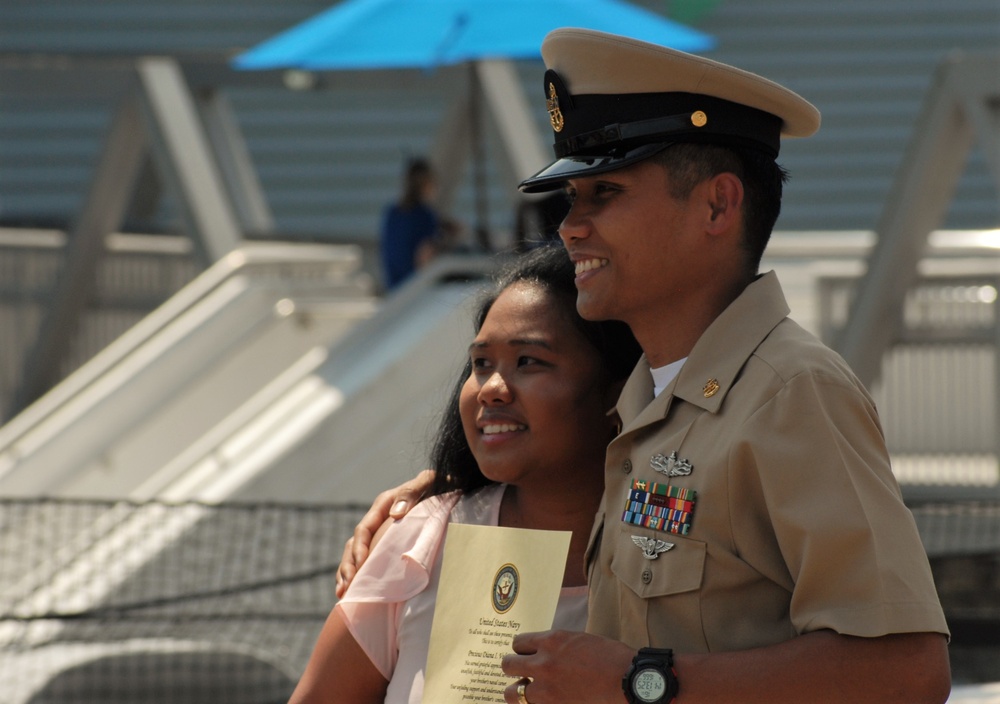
389, 606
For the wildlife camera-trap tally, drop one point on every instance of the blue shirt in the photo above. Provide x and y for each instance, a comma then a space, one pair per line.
403, 231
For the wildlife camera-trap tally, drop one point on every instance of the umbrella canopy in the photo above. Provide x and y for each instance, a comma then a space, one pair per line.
384, 34
425, 34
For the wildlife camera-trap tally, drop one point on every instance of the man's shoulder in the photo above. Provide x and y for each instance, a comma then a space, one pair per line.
790, 351
792, 366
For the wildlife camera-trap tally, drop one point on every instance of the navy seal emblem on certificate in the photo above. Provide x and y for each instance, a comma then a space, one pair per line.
506, 585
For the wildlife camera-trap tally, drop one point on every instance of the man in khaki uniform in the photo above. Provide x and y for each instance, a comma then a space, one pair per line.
752, 543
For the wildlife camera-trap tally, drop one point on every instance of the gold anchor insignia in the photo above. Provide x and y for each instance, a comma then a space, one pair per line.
699, 119
555, 114
711, 388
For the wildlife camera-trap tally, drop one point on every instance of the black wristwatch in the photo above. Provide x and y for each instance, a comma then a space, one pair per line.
651, 679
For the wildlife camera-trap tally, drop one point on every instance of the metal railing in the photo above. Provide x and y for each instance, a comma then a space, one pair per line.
938, 393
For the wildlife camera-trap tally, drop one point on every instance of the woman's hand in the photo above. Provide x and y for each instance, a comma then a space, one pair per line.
393, 503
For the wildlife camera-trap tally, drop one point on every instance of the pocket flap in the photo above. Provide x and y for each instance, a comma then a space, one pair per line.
674, 570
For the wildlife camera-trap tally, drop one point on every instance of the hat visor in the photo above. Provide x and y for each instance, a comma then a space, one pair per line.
557, 173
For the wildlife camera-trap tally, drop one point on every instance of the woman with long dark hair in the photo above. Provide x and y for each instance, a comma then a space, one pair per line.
528, 414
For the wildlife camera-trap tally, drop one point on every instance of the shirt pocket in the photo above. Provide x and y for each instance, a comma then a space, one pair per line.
677, 570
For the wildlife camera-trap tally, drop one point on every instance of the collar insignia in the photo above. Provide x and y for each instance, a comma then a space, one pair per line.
711, 388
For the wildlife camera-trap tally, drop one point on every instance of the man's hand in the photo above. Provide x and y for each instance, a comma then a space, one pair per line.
820, 667
393, 503
567, 667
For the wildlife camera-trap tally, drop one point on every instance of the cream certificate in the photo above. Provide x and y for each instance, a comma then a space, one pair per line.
495, 583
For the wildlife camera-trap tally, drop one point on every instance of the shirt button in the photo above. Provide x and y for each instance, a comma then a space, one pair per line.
647, 576
627, 466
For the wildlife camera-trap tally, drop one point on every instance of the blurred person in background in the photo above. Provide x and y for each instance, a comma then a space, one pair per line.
412, 232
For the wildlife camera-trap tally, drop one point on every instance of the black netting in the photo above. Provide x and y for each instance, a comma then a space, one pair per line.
124, 602
113, 602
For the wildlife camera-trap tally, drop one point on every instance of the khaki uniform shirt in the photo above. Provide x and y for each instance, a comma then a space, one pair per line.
796, 522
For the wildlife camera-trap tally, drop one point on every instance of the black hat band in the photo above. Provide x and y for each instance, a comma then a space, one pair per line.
594, 124
618, 134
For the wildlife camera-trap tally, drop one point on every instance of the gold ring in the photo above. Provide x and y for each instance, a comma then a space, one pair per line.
521, 697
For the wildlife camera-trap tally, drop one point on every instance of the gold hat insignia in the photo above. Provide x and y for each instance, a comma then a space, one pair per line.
555, 114
699, 119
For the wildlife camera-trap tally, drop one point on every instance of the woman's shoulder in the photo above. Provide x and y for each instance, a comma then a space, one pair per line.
399, 564
425, 520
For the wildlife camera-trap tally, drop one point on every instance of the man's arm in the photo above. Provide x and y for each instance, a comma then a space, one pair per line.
392, 503
816, 667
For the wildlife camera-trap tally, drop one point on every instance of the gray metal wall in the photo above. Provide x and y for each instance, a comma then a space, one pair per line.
328, 160
131, 282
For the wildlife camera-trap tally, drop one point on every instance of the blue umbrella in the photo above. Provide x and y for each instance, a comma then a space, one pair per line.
425, 34
382, 34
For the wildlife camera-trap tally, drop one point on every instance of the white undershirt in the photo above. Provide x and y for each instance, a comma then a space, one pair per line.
662, 376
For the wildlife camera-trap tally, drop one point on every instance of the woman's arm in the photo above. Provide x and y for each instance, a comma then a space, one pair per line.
339, 670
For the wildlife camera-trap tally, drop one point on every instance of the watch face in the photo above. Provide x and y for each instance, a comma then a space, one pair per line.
649, 685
